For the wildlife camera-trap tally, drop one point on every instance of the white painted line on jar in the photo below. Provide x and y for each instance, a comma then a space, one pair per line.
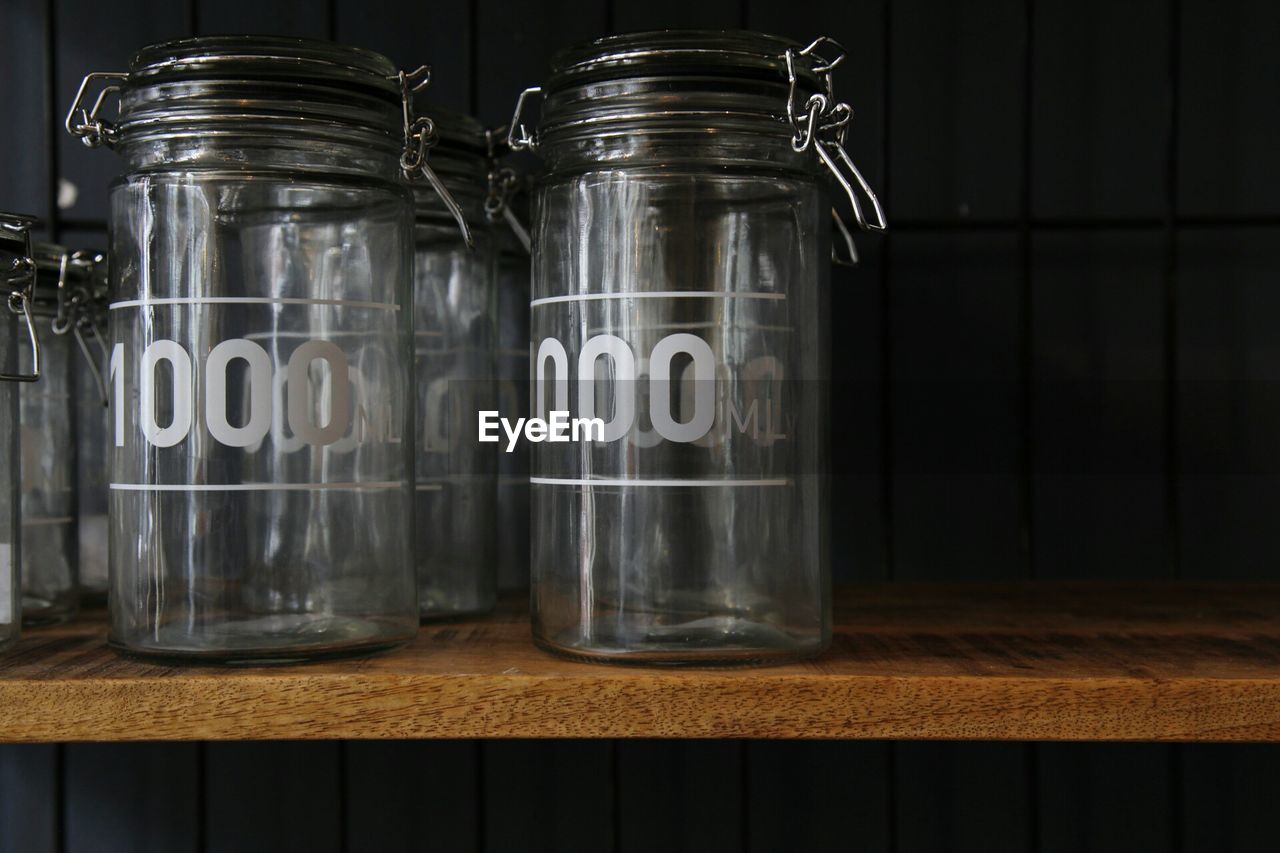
259, 487
429, 487
249, 300
661, 294
557, 481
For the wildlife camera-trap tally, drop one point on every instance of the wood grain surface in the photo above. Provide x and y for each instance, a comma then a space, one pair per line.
1047, 661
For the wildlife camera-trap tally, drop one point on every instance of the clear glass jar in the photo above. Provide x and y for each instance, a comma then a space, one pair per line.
16, 279
92, 419
261, 251
511, 240
455, 528
50, 562
681, 252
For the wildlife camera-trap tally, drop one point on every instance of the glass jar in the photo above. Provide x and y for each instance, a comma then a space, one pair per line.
509, 210
261, 251
50, 562
92, 417
681, 249
16, 280
455, 507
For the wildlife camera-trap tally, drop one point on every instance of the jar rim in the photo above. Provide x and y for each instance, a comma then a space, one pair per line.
649, 53
252, 55
182, 84
658, 80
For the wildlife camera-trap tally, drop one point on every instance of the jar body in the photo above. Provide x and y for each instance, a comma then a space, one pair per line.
91, 483
456, 488
50, 577
695, 531
513, 402
260, 458
10, 529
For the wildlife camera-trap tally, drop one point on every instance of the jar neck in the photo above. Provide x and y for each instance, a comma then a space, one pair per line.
268, 149
762, 147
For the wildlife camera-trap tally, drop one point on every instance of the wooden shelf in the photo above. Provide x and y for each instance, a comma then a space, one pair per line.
1023, 661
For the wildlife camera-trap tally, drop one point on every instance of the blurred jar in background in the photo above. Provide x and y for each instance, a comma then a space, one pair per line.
455, 507
508, 209
17, 273
50, 570
92, 416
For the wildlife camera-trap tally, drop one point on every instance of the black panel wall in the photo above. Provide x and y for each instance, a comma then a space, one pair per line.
1058, 364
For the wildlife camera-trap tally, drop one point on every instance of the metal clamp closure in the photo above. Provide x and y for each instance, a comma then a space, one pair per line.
503, 184
18, 278
90, 127
519, 137
79, 314
419, 136
822, 124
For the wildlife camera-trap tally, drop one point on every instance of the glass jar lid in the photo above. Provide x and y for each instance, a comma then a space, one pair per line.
692, 84
215, 84
648, 82
275, 89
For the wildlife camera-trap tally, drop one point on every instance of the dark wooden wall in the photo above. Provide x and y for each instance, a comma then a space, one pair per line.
1060, 363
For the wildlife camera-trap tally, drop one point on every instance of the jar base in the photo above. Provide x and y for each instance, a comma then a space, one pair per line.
270, 640
38, 611
721, 643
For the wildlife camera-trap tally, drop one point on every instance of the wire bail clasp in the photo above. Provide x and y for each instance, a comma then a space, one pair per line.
419, 137
18, 278
822, 124
504, 182
519, 137
78, 311
90, 128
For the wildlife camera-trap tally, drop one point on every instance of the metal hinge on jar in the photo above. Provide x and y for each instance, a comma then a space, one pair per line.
419, 137
503, 185
821, 124
90, 127
18, 278
79, 314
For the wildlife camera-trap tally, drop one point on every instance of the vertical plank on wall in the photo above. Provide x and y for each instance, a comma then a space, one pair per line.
29, 819
1230, 793
963, 797
1106, 797
514, 44
413, 34
301, 18
1098, 118
273, 796
94, 36
680, 796
818, 796
129, 797
1229, 128
553, 796
676, 14
1098, 405
956, 407
956, 107
1229, 402
24, 141
411, 796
